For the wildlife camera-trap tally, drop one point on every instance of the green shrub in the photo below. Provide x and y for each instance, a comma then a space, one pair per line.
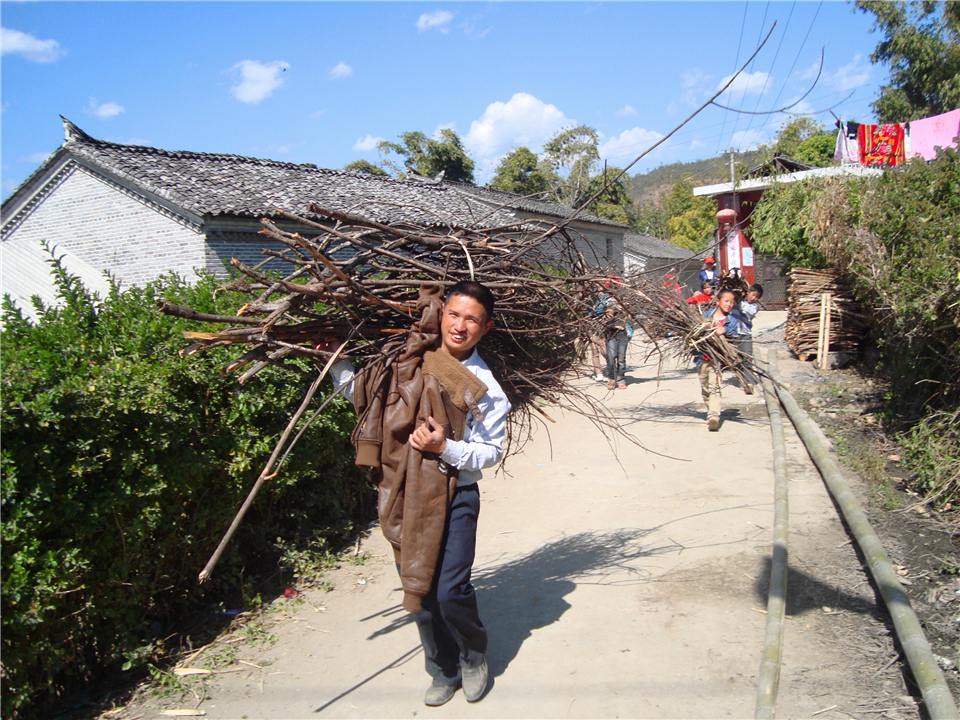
898, 237
122, 465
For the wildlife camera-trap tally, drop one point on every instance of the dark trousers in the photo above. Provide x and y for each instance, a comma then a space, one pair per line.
744, 344
450, 628
617, 356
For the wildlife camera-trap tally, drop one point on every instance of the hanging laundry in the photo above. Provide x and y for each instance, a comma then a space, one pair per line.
881, 144
847, 151
933, 132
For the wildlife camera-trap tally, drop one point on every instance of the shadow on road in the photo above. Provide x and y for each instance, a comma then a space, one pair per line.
528, 593
806, 593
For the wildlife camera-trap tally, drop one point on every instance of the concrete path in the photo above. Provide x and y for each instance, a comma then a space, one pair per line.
615, 581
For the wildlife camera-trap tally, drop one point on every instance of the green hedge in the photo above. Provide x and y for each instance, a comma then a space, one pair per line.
898, 237
122, 465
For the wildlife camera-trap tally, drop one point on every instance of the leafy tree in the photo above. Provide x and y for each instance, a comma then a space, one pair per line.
793, 133
818, 150
613, 203
651, 220
367, 167
429, 157
521, 172
691, 220
572, 154
921, 45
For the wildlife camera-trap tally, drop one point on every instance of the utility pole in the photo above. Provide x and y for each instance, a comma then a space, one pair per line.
732, 177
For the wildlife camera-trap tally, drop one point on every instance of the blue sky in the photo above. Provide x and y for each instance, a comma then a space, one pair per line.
321, 82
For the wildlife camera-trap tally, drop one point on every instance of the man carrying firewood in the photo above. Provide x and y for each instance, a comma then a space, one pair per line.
430, 422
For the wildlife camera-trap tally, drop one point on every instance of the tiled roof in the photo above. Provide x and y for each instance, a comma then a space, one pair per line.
212, 185
527, 204
650, 246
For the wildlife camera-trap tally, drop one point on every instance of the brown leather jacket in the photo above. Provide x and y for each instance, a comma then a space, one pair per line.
392, 398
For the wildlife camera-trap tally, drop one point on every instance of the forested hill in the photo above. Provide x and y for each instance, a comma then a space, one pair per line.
647, 188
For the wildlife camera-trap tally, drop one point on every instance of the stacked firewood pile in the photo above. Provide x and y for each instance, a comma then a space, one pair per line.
848, 319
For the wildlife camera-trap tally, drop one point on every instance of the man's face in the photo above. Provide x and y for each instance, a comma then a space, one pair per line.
462, 324
752, 296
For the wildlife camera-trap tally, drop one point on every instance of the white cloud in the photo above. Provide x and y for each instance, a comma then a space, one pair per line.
318, 113
522, 120
625, 111
35, 158
257, 81
851, 75
366, 144
104, 110
628, 144
694, 77
745, 83
749, 139
437, 20
14, 42
803, 107
342, 70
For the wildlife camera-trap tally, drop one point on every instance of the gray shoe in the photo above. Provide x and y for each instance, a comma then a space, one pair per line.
475, 681
439, 694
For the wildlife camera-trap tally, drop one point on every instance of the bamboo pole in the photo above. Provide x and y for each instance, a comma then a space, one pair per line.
936, 695
824, 358
777, 596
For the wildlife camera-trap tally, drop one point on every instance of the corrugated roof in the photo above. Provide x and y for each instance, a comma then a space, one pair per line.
209, 184
650, 246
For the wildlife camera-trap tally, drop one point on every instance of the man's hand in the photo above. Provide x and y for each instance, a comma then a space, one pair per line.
429, 437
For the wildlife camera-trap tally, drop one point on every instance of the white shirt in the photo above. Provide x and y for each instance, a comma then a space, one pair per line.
482, 446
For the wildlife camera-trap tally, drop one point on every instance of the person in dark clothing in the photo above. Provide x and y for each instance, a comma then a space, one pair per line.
453, 636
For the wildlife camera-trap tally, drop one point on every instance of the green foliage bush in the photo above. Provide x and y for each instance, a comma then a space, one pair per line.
898, 235
122, 466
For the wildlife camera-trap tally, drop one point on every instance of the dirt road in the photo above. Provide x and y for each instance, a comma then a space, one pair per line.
613, 584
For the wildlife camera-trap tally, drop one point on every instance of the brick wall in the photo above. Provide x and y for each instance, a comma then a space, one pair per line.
110, 229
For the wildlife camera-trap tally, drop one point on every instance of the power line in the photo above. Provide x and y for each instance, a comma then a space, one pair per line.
797, 58
736, 62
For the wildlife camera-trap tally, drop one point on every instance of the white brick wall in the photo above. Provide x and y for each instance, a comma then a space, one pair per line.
111, 230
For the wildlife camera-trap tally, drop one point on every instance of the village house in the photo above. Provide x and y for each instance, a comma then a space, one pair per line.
139, 212
651, 256
735, 204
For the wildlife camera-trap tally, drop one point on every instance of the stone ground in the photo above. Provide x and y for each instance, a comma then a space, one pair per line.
616, 580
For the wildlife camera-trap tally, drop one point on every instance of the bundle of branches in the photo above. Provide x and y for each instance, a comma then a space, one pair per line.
732, 281
848, 319
357, 279
676, 328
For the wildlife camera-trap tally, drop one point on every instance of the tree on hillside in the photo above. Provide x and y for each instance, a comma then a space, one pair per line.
429, 157
692, 220
572, 154
521, 172
651, 220
613, 203
921, 46
365, 166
